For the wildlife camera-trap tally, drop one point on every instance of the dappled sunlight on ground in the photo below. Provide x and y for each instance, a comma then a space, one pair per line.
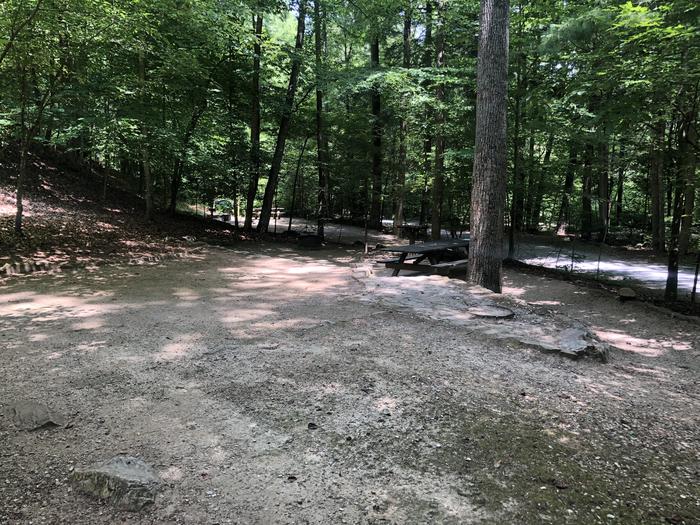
639, 345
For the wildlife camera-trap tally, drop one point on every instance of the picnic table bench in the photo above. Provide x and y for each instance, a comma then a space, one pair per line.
443, 257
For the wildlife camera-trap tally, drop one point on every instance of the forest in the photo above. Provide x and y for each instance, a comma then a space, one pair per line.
349, 261
364, 111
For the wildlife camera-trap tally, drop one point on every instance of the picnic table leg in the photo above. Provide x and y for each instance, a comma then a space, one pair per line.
402, 259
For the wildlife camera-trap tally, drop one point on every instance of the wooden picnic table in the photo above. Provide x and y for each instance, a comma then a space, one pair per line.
434, 251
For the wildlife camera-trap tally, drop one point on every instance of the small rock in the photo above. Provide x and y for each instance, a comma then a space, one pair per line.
126, 482
627, 294
493, 312
33, 416
312, 426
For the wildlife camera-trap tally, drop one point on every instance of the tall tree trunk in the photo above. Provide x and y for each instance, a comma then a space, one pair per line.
539, 186
620, 186
671, 292
565, 209
321, 143
687, 153
656, 188
439, 176
603, 187
403, 127
285, 123
516, 205
428, 136
147, 183
181, 160
255, 123
24, 146
586, 194
375, 213
490, 154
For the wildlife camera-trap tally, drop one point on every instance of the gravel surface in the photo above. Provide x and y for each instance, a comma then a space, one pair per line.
265, 385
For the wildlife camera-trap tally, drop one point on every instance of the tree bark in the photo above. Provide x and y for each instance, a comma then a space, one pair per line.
285, 123
321, 144
255, 124
375, 214
439, 176
656, 188
490, 154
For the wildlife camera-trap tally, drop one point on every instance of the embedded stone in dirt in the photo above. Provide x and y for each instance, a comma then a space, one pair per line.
627, 294
492, 312
33, 416
126, 482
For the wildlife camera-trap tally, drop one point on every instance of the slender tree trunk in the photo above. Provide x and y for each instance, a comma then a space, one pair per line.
603, 187
428, 136
564, 210
285, 123
439, 177
687, 153
656, 188
255, 124
24, 146
321, 144
294, 184
516, 205
147, 183
539, 186
587, 191
180, 161
375, 214
671, 293
490, 154
620, 186
403, 128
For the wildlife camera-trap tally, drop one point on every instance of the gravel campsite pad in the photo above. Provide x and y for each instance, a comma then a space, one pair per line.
264, 385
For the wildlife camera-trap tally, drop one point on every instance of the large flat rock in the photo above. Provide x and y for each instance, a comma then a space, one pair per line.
126, 482
29, 415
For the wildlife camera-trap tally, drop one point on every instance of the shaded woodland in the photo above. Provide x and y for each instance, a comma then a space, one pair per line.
366, 111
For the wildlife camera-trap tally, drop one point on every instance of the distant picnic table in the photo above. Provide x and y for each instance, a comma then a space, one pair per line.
443, 257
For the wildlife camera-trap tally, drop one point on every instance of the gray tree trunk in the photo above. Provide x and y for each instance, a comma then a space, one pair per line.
490, 154
255, 123
285, 123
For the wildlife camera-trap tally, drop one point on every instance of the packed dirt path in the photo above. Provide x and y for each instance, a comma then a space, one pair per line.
266, 386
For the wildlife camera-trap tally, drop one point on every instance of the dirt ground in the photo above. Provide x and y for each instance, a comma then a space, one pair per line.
269, 386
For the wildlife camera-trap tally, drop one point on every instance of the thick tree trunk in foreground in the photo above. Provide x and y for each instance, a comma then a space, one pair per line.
285, 123
375, 213
439, 177
656, 189
254, 126
490, 154
321, 142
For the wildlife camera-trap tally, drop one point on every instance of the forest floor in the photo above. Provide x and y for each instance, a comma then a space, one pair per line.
269, 385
